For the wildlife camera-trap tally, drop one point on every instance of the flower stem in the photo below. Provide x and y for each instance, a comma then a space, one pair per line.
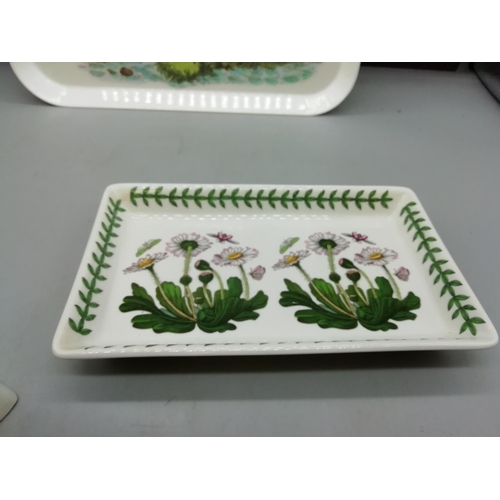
187, 261
207, 297
166, 299
370, 282
360, 295
344, 295
302, 270
393, 283
245, 282
190, 298
333, 306
330, 258
221, 284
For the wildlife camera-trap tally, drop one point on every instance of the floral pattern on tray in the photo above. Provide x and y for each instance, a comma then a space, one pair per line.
180, 308
373, 304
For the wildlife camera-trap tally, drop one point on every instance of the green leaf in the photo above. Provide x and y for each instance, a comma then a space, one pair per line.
246, 316
133, 195
217, 318
463, 328
354, 294
325, 320
81, 312
234, 287
292, 242
411, 302
174, 294
199, 298
144, 248
477, 321
73, 325
404, 316
296, 296
162, 324
455, 314
284, 198
385, 288
171, 198
382, 309
258, 301
326, 294
157, 320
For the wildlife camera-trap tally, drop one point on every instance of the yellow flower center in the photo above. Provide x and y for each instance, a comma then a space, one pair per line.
376, 256
291, 259
145, 263
235, 256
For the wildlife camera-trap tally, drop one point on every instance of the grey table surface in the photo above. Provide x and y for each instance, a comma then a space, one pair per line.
438, 133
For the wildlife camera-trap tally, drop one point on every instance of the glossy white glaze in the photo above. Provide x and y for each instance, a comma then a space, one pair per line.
64, 84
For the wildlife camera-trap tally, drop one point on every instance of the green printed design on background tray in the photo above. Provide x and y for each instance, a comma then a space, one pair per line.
186, 74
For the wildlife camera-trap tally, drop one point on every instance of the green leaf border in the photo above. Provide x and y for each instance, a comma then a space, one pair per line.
96, 267
258, 197
457, 302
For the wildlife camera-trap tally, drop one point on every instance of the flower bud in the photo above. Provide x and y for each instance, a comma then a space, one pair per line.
353, 275
346, 264
185, 280
334, 277
202, 265
206, 277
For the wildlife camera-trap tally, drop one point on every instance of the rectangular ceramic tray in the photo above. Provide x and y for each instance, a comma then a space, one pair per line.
177, 270
267, 88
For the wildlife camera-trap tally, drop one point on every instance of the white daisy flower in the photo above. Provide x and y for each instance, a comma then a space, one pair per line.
180, 244
319, 243
235, 256
373, 256
146, 262
292, 259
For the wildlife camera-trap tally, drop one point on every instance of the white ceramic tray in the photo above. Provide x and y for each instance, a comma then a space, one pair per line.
287, 89
209, 270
